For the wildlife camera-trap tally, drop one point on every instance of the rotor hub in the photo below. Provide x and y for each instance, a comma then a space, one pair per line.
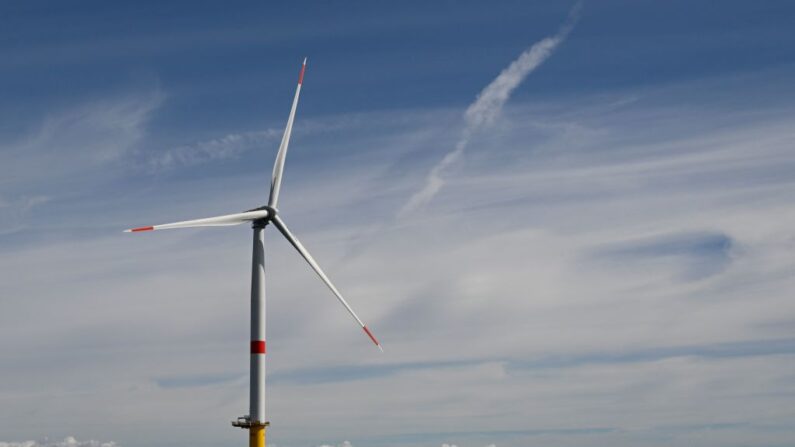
259, 223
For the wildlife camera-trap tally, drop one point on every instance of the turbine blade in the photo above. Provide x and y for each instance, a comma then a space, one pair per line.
278, 166
218, 221
303, 251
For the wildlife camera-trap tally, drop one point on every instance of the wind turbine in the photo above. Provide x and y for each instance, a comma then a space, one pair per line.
259, 218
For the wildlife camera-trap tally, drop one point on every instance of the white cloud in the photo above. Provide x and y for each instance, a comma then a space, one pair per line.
93, 133
234, 145
344, 444
69, 441
488, 105
228, 146
73, 149
14, 213
75, 145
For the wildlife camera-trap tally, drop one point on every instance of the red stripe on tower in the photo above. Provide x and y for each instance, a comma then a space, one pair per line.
258, 346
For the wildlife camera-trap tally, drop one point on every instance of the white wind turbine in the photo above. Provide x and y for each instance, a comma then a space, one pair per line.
260, 218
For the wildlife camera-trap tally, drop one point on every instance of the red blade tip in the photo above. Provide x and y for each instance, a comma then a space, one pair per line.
135, 230
301, 76
372, 337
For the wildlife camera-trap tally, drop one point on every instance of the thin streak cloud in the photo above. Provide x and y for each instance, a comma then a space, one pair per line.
489, 103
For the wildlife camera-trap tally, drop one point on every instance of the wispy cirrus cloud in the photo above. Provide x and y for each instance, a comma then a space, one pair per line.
489, 104
234, 145
75, 148
228, 146
13, 213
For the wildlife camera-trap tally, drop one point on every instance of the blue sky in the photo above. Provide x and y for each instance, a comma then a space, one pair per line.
563, 236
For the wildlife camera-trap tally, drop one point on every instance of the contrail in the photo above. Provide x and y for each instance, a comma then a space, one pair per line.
488, 105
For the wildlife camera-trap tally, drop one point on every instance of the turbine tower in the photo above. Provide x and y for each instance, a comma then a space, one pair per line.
259, 218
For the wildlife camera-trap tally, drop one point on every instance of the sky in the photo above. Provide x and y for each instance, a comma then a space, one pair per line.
569, 224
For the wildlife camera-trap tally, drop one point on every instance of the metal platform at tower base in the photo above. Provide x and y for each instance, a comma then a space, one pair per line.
245, 422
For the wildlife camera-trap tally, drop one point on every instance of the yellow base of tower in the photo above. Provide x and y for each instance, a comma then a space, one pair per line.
256, 435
